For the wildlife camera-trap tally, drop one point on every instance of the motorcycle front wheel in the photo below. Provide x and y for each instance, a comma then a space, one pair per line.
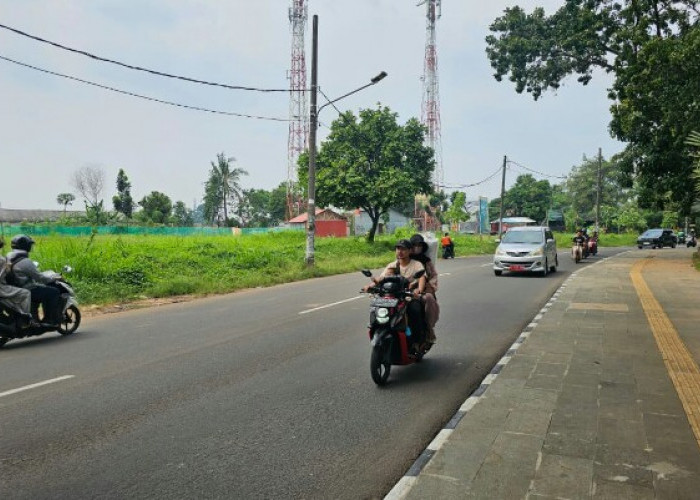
378, 364
70, 321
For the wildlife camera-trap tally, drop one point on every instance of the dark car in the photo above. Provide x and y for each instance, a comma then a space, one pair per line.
657, 238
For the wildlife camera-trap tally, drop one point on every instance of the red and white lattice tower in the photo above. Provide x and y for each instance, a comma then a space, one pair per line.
298, 108
430, 109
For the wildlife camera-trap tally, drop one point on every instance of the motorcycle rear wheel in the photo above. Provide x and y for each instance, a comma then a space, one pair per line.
70, 321
379, 368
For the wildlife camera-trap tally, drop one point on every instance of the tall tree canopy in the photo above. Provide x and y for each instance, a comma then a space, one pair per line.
122, 201
527, 198
651, 46
157, 207
373, 163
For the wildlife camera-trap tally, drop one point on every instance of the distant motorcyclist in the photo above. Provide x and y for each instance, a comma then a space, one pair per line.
579, 238
26, 275
448, 246
429, 299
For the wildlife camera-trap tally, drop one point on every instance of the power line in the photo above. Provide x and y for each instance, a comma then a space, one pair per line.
462, 186
153, 99
534, 171
138, 68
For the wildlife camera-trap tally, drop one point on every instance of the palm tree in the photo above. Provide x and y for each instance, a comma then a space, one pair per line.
227, 180
65, 199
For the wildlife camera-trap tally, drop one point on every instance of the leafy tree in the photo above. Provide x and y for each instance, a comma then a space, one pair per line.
277, 206
212, 201
122, 201
694, 142
252, 210
527, 198
630, 217
182, 216
651, 48
457, 211
223, 185
373, 163
156, 207
582, 186
65, 199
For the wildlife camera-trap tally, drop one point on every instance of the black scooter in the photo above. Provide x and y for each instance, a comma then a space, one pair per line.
13, 325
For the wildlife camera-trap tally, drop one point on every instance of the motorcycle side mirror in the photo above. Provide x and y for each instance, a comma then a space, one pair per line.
67, 269
419, 274
367, 273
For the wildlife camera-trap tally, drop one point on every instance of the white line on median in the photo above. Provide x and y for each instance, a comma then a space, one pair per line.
33, 386
329, 305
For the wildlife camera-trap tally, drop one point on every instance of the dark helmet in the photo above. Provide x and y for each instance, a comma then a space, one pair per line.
418, 240
403, 244
22, 242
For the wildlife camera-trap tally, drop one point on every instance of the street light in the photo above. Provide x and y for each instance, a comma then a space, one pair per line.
313, 125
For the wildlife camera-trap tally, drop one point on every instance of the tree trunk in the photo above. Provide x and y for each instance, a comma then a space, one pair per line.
375, 224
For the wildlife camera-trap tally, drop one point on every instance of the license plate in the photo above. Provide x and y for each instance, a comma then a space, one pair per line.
647, 243
517, 268
385, 302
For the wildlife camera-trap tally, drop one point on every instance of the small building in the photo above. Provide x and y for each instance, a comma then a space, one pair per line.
362, 223
511, 222
328, 223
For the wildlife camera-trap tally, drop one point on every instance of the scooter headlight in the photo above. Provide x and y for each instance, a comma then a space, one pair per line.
382, 315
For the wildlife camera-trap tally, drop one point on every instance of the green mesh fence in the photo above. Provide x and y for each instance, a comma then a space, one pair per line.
46, 230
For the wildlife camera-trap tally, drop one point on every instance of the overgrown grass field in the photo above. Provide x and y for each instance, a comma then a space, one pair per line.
109, 269
114, 269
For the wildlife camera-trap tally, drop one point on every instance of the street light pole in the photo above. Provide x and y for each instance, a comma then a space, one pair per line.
313, 126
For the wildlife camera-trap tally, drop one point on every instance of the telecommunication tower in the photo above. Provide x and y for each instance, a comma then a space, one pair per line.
430, 108
298, 109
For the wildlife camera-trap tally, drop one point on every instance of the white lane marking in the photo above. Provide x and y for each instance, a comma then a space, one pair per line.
486, 265
33, 386
329, 305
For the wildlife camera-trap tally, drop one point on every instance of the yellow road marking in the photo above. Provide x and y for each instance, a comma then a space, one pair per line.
681, 366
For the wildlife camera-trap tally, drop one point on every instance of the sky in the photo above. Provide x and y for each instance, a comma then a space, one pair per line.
52, 126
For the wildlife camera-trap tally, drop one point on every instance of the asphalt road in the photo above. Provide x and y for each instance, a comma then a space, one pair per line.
260, 394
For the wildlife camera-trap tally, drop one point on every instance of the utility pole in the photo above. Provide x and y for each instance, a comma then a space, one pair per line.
313, 126
597, 191
503, 193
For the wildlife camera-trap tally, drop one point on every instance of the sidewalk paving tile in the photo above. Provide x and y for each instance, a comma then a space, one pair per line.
585, 408
563, 477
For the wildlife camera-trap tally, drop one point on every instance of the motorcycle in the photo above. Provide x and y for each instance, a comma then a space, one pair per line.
13, 324
592, 247
389, 332
692, 242
577, 252
448, 252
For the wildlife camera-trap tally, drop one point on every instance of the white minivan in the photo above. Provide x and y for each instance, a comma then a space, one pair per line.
526, 249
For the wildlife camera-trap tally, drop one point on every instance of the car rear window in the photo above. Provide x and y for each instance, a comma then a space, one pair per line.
523, 237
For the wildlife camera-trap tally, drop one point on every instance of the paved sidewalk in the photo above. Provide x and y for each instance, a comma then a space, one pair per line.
598, 398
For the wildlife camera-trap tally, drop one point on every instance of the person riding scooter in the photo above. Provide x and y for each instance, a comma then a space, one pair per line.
26, 275
17, 299
448, 246
408, 268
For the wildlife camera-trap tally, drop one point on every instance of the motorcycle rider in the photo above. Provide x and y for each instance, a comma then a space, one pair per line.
447, 243
406, 267
28, 276
18, 299
429, 300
